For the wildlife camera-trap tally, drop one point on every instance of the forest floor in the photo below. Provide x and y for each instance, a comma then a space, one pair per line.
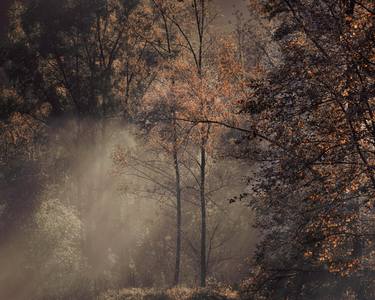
171, 294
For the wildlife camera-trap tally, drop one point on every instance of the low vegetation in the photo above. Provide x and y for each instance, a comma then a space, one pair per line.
171, 294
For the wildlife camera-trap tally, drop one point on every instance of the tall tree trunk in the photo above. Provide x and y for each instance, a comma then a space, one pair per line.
78, 182
203, 214
356, 282
178, 218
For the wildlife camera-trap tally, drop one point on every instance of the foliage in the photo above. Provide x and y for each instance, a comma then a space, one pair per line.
314, 199
291, 93
55, 251
178, 293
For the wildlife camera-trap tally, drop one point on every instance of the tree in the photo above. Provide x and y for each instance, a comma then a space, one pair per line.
314, 204
199, 14
67, 68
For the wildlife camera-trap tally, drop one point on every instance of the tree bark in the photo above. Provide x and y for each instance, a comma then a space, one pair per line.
178, 218
203, 265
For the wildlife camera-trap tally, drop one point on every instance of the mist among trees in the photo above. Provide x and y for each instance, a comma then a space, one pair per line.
159, 149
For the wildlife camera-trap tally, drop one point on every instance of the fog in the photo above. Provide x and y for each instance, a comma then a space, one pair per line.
104, 216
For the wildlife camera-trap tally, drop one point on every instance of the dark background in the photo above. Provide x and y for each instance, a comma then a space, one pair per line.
4, 5
227, 7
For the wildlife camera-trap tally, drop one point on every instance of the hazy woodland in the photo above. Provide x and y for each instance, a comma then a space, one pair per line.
187, 149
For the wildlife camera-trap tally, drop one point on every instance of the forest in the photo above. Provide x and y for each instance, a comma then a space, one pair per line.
187, 149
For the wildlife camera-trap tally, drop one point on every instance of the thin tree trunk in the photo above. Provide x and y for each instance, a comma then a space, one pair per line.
356, 282
178, 203
178, 219
203, 214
